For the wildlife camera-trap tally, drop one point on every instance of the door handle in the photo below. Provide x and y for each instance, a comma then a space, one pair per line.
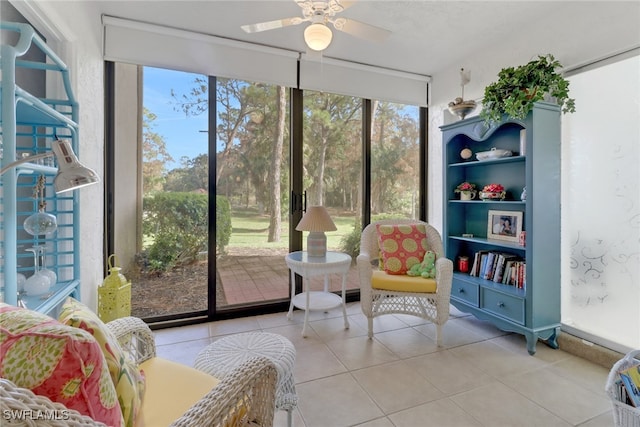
298, 202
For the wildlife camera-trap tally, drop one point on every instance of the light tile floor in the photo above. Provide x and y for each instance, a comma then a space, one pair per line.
480, 377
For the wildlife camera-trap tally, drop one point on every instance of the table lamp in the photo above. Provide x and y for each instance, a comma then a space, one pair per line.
316, 221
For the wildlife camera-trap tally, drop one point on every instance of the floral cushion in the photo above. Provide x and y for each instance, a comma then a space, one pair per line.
125, 374
54, 360
401, 246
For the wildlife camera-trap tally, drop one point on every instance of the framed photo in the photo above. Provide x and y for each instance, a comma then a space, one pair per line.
504, 225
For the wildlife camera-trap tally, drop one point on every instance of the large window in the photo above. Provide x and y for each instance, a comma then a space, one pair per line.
601, 206
168, 184
395, 160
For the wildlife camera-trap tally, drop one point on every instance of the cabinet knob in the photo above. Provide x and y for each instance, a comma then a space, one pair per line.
461, 291
500, 304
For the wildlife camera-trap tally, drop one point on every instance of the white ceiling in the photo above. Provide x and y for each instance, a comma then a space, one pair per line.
428, 37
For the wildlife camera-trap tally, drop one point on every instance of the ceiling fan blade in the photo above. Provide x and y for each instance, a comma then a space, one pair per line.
271, 25
346, 3
360, 29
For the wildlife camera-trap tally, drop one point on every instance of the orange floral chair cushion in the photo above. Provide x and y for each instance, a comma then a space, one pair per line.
54, 360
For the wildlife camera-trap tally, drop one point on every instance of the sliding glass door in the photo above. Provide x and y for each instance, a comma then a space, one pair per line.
171, 274
252, 193
332, 167
203, 234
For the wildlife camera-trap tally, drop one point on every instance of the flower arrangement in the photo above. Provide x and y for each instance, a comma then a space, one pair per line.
493, 188
465, 186
493, 192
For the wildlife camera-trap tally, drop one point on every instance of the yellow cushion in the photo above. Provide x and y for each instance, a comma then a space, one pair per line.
172, 388
393, 282
126, 377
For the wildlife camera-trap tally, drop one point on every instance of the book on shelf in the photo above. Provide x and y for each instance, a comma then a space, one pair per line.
477, 263
506, 275
630, 377
520, 279
515, 274
487, 268
499, 267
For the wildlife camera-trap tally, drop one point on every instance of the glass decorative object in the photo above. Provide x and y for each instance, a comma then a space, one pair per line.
21, 279
40, 223
53, 277
38, 283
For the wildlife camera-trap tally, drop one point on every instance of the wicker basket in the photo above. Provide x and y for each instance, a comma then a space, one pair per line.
623, 414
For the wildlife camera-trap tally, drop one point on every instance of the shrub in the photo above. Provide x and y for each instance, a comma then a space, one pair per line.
177, 225
350, 243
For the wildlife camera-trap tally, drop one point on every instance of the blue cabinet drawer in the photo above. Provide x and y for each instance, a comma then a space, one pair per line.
465, 291
503, 305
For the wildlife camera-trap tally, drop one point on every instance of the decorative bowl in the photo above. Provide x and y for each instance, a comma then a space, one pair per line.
492, 195
494, 153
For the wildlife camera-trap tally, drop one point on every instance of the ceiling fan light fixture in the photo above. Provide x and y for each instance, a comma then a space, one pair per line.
317, 36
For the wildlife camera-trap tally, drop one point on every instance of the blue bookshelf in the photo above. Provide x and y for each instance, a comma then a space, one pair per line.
533, 309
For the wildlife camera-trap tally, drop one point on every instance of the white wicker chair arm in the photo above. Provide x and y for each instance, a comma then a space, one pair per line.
444, 275
365, 272
135, 337
21, 407
244, 397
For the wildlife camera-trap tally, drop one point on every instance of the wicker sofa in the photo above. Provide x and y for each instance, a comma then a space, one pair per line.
244, 397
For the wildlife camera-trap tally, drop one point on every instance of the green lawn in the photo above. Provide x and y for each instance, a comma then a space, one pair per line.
251, 230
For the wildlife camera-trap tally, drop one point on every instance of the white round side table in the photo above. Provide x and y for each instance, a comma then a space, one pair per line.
306, 266
220, 357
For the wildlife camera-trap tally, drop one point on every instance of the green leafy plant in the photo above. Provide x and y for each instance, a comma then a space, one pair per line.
350, 243
518, 88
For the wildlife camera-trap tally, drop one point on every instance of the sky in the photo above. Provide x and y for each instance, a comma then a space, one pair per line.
182, 135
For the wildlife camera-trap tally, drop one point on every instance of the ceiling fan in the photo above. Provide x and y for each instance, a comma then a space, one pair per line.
318, 35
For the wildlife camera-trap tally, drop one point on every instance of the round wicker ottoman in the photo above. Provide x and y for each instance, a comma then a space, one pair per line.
221, 356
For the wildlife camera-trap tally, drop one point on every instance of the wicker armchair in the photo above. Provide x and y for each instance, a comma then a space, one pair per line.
376, 302
245, 397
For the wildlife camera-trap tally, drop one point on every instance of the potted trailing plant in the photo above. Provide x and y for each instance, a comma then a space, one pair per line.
518, 88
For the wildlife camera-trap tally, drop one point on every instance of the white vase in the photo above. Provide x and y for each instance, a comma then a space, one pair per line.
467, 195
